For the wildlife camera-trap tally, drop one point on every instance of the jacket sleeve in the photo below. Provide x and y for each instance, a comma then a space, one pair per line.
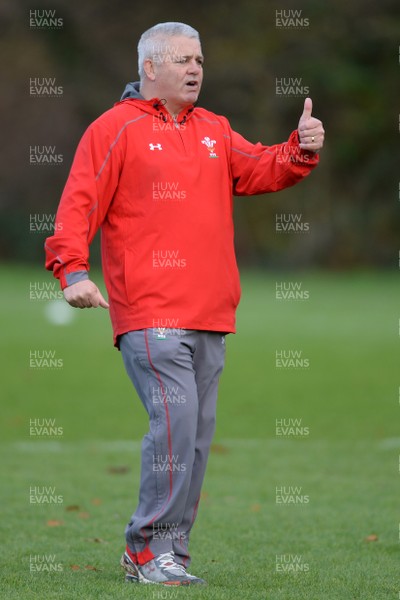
257, 169
88, 192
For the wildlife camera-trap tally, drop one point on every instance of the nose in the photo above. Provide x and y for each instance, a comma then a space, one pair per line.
194, 68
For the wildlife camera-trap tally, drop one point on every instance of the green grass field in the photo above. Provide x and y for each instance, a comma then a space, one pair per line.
245, 543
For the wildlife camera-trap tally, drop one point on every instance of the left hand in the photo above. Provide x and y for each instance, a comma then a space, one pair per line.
310, 130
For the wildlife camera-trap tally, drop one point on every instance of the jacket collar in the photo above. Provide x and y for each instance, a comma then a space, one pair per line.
154, 106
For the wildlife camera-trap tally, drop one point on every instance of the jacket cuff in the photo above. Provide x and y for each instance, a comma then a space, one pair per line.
75, 277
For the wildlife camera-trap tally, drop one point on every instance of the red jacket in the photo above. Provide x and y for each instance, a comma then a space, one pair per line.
161, 191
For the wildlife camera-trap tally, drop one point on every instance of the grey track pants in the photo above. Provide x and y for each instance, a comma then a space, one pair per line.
176, 374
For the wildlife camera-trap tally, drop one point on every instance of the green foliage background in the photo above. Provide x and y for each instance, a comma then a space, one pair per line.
347, 57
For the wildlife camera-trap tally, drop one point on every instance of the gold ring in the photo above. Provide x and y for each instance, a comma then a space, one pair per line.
313, 139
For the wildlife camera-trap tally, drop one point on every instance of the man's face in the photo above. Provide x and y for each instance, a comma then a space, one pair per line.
177, 71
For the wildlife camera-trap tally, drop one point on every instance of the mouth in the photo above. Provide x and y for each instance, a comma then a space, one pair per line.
193, 84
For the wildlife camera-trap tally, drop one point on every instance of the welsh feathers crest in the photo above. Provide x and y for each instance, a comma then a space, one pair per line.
209, 143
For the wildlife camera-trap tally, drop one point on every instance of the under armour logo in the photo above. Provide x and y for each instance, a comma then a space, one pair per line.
154, 146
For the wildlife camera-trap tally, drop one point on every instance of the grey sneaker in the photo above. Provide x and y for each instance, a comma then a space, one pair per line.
196, 579
161, 570
165, 571
132, 571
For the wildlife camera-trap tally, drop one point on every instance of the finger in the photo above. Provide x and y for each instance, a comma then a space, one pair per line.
312, 136
310, 130
84, 303
307, 110
309, 145
97, 299
103, 303
73, 303
80, 302
311, 139
313, 147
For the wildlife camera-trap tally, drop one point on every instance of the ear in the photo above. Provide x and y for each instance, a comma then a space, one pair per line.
148, 66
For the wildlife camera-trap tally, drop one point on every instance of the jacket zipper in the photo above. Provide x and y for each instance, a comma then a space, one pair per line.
178, 128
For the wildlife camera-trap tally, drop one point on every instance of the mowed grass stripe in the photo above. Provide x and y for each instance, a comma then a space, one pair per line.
347, 465
352, 494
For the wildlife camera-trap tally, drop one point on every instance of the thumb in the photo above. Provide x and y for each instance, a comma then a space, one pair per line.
307, 109
102, 302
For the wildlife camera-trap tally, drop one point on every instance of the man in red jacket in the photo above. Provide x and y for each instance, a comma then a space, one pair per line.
157, 174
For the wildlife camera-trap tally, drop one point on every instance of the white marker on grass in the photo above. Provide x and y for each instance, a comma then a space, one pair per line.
59, 312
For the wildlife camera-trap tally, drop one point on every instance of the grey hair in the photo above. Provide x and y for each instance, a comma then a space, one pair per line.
160, 34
